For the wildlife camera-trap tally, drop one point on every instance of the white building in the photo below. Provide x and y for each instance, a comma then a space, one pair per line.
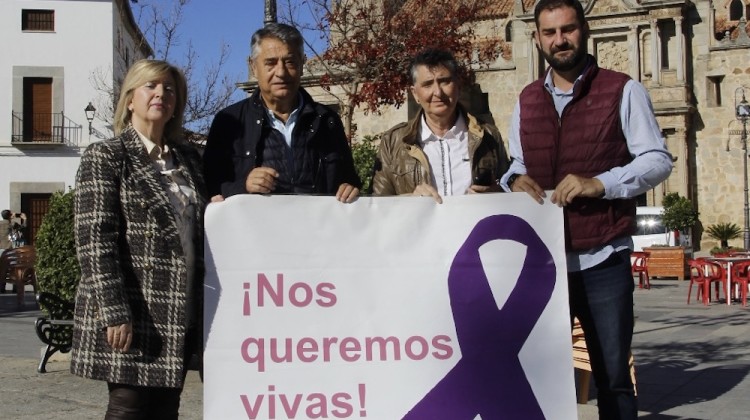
58, 57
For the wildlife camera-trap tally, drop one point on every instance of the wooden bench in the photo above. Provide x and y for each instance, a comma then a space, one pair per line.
55, 330
582, 363
17, 268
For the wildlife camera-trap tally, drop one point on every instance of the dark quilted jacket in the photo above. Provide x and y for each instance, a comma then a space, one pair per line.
242, 139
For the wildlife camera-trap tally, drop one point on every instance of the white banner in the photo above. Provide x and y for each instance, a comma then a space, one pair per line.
386, 308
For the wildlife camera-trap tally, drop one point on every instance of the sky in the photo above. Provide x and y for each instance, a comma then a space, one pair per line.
208, 23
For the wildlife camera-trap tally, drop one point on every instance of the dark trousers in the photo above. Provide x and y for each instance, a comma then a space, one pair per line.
128, 402
602, 299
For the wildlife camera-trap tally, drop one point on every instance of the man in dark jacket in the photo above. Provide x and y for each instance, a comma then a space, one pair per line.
279, 140
589, 135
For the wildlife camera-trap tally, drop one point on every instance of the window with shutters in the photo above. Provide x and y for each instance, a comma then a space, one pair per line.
38, 20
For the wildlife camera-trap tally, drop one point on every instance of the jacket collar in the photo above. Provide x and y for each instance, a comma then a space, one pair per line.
307, 102
476, 132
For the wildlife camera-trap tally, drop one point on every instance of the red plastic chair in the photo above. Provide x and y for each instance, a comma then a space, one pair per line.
640, 267
741, 279
702, 274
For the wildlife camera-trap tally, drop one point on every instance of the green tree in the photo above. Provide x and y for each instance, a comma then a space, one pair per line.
56, 267
678, 213
369, 44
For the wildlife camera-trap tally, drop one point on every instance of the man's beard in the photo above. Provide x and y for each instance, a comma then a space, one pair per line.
569, 62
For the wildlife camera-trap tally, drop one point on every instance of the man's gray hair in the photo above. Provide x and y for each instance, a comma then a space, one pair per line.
287, 34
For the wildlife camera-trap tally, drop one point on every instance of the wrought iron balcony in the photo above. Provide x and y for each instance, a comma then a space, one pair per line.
40, 129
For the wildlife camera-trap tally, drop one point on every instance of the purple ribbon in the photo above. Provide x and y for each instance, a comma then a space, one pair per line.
489, 380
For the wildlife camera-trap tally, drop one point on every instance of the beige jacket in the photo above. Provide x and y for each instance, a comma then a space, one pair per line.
402, 165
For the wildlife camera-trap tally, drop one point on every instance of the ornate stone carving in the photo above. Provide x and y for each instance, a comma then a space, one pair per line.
608, 7
612, 54
665, 13
619, 20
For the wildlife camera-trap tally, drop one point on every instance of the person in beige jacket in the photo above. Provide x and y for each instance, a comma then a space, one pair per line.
443, 150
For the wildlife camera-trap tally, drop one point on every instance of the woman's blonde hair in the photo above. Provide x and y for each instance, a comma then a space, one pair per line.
143, 71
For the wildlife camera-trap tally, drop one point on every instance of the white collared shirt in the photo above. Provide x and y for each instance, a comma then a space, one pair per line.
450, 164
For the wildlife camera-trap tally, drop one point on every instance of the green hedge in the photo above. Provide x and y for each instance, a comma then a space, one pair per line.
364, 153
56, 267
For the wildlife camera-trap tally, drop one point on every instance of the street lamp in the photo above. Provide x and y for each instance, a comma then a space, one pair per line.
742, 113
90, 111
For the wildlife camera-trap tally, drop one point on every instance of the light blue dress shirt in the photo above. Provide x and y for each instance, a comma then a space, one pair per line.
651, 164
286, 128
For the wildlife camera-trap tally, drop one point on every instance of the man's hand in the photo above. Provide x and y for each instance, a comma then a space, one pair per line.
426, 190
483, 189
573, 186
347, 193
120, 336
218, 198
261, 180
527, 184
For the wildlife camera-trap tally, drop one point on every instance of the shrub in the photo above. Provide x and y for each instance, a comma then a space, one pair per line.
724, 250
723, 232
364, 153
56, 267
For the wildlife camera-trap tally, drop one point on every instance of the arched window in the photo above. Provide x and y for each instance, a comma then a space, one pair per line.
735, 10
509, 31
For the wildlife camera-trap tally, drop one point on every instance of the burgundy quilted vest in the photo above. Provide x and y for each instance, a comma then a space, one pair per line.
587, 140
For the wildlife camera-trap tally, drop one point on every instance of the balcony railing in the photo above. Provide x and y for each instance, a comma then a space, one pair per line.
44, 129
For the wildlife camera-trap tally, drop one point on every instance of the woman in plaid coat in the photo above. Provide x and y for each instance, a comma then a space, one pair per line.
138, 228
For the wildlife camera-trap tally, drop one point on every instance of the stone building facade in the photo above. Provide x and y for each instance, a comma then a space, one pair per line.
692, 56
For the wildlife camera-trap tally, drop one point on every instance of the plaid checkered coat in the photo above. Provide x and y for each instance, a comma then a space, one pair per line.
133, 267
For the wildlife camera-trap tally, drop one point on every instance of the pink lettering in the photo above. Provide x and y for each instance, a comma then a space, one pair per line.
327, 297
307, 345
409, 348
328, 342
246, 300
350, 349
300, 294
443, 349
343, 409
306, 298
264, 286
319, 406
287, 347
382, 343
250, 408
258, 356
316, 404
291, 410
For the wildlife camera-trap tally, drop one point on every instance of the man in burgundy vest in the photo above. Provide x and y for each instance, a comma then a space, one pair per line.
590, 136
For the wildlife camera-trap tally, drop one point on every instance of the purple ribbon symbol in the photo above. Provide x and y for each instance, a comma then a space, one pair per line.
489, 380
